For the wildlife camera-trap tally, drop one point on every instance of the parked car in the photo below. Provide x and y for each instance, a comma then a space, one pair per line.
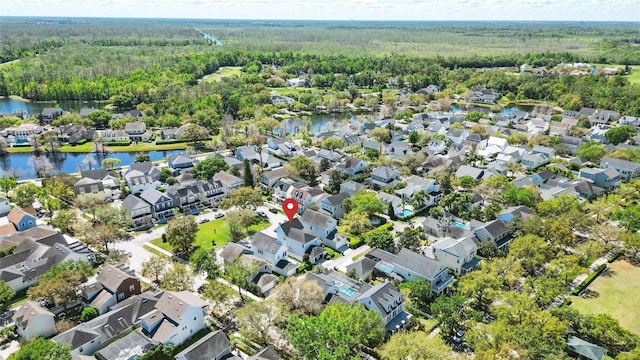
273, 210
202, 221
263, 215
457, 338
218, 215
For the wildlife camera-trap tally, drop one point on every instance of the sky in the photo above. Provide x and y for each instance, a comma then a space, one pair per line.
518, 10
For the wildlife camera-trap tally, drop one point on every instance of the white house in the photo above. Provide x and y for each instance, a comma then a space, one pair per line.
32, 320
298, 241
5, 206
324, 227
491, 147
183, 316
269, 249
138, 181
457, 255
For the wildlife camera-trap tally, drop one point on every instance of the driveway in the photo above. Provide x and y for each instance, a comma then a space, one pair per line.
346, 259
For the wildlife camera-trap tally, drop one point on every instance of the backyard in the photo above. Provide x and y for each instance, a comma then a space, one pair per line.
615, 293
213, 234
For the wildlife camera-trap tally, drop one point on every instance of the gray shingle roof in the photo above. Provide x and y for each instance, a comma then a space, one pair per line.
265, 242
132, 202
209, 347
419, 264
316, 218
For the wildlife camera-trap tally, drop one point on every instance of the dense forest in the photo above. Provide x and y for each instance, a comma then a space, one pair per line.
159, 62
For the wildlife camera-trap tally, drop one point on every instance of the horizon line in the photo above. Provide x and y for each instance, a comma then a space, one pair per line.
317, 20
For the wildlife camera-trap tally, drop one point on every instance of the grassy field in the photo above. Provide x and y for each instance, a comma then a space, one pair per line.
212, 234
616, 294
225, 71
86, 147
633, 77
147, 147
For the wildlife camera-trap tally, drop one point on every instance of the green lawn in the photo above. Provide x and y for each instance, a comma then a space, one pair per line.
86, 147
215, 231
20, 149
615, 294
633, 78
225, 71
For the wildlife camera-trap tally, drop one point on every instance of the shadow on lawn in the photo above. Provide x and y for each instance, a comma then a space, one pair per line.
608, 273
590, 294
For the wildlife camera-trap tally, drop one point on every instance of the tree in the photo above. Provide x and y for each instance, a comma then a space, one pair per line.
90, 202
339, 332
60, 286
50, 140
88, 313
467, 182
65, 220
206, 168
414, 137
592, 151
300, 296
304, 168
414, 345
181, 233
453, 314
480, 286
335, 180
354, 223
41, 165
143, 158
255, 320
156, 267
559, 205
379, 238
7, 183
50, 203
24, 195
43, 349
488, 249
367, 202
243, 197
531, 251
619, 134
420, 294
194, 133
216, 294
100, 118
381, 134
248, 175
6, 295
332, 143
178, 278
203, 261
102, 234
519, 196
391, 211
372, 154
325, 165
240, 274
409, 238
240, 219
110, 163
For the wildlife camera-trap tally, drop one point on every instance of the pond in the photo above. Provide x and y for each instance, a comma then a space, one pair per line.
18, 163
10, 105
321, 123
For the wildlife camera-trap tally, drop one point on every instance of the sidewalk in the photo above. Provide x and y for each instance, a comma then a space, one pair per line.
244, 292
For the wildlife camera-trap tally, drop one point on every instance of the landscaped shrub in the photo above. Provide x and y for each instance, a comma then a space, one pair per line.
118, 143
615, 256
589, 279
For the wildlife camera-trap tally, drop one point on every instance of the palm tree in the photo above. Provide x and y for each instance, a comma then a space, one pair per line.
419, 199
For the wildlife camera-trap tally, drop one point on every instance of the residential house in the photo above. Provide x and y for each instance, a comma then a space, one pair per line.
187, 199
597, 133
108, 136
457, 136
269, 178
351, 166
534, 161
514, 212
540, 178
137, 131
32, 321
139, 181
572, 143
496, 231
139, 211
398, 150
133, 345
384, 298
436, 146
213, 346
351, 187
279, 99
333, 205
629, 120
179, 161
22, 133
135, 114
113, 285
147, 168
248, 153
410, 265
628, 169
21, 219
608, 178
429, 191
274, 252
228, 181
396, 203
5, 206
267, 353
584, 349
182, 317
48, 114
37, 250
329, 155
93, 335
491, 147
604, 117
383, 177
300, 242
537, 126
211, 192
510, 154
88, 186
466, 170
161, 204
362, 268
231, 252
324, 227
84, 112
458, 255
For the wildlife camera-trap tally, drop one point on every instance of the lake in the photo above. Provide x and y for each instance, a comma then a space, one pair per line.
10, 106
70, 162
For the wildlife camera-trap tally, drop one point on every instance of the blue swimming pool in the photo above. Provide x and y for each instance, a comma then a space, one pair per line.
385, 267
406, 213
346, 290
459, 224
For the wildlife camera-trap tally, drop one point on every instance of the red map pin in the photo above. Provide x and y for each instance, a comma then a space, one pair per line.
290, 207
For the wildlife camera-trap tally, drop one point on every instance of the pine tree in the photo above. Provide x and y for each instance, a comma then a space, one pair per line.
248, 175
